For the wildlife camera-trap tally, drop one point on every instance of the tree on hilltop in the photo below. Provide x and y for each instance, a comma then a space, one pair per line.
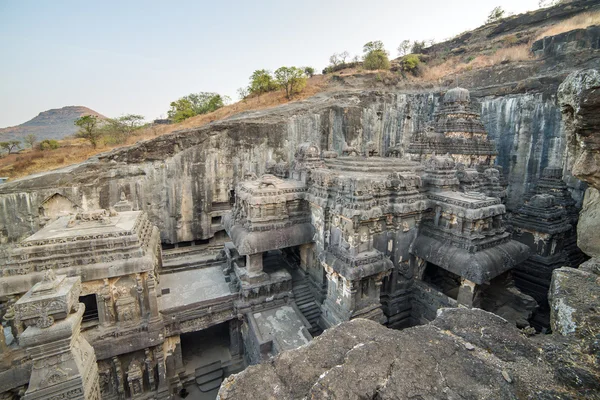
117, 130
261, 81
496, 14
375, 56
196, 104
292, 79
10, 145
309, 71
30, 140
88, 129
404, 47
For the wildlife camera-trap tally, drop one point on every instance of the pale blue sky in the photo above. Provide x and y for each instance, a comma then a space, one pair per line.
120, 57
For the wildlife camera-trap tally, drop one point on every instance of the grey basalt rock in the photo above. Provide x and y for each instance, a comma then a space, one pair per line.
361, 359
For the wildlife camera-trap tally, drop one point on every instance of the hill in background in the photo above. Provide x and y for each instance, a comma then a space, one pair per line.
52, 124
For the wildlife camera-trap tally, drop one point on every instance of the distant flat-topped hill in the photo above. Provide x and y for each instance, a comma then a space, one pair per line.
52, 124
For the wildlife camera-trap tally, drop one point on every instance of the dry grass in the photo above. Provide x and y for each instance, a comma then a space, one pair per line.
455, 65
74, 151
577, 22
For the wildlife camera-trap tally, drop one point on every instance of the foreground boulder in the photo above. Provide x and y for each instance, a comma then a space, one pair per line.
464, 353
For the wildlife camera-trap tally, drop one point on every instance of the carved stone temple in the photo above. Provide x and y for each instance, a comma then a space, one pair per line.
93, 307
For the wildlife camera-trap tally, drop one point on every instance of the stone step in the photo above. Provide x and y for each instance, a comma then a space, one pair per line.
312, 314
210, 377
210, 386
298, 288
208, 368
307, 306
303, 295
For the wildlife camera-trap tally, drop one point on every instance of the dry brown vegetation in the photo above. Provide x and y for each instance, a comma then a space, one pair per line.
74, 151
458, 64
577, 22
506, 49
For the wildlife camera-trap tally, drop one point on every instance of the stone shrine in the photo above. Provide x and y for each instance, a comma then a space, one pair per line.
330, 237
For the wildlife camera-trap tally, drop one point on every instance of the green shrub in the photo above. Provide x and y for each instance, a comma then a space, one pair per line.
411, 64
376, 59
49, 144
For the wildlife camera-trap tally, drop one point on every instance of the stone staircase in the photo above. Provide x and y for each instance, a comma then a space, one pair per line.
191, 257
209, 377
306, 302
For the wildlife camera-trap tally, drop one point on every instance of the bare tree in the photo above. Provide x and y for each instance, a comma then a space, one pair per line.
404, 47
343, 56
30, 140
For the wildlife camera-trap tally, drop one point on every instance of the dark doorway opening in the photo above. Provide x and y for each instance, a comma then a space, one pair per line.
445, 281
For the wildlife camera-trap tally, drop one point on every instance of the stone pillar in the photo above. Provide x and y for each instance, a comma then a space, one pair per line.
438, 214
254, 264
466, 293
152, 299
64, 363
3, 347
236, 347
105, 305
306, 256
163, 386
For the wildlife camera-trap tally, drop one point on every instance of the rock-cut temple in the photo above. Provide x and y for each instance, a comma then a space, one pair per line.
93, 306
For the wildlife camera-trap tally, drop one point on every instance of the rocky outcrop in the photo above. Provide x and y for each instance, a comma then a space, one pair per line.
184, 179
179, 179
579, 97
462, 354
467, 353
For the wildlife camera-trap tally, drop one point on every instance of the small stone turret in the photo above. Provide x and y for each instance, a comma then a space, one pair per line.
458, 131
64, 363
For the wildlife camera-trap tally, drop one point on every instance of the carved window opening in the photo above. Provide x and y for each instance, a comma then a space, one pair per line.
216, 220
90, 314
365, 288
444, 281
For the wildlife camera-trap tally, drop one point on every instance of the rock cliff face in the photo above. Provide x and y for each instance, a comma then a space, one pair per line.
467, 353
181, 180
178, 179
579, 97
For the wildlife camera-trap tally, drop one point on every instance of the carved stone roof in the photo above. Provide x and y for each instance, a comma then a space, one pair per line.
478, 267
95, 245
543, 214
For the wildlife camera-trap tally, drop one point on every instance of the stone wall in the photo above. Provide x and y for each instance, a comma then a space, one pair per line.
177, 178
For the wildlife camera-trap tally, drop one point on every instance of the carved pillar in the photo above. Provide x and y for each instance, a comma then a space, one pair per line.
149, 368
64, 363
306, 256
2, 340
438, 214
152, 299
139, 289
163, 387
119, 374
105, 312
254, 263
236, 346
466, 293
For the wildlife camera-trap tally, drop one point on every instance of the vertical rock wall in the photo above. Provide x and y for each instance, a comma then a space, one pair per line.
177, 178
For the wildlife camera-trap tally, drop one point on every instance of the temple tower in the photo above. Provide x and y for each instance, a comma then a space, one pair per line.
458, 131
543, 225
64, 363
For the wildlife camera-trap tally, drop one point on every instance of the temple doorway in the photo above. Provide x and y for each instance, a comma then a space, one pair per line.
206, 355
444, 281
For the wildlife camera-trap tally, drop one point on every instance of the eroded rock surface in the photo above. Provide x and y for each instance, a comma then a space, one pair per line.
469, 354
